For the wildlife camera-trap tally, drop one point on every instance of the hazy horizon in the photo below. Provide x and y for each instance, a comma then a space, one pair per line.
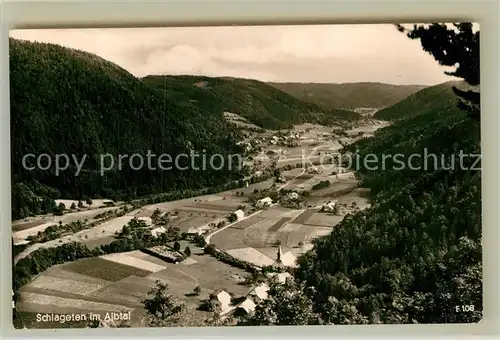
320, 54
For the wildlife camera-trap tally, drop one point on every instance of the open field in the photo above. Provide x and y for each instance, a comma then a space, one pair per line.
64, 285
126, 259
279, 224
251, 255
303, 217
101, 285
96, 242
51, 300
104, 269
248, 222
368, 128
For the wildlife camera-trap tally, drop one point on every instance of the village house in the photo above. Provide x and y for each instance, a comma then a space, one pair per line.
239, 214
246, 307
264, 202
329, 207
279, 277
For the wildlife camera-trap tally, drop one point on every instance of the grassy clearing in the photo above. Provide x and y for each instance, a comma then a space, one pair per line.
63, 285
125, 259
59, 272
228, 239
51, 300
104, 269
251, 255
26, 225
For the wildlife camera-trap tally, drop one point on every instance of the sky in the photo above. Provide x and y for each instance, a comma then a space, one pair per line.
318, 53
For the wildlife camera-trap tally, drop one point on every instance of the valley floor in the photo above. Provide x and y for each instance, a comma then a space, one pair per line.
118, 282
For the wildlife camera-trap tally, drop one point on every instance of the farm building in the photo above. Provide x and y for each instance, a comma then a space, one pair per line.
330, 206
239, 214
260, 292
264, 202
164, 254
292, 196
285, 259
158, 231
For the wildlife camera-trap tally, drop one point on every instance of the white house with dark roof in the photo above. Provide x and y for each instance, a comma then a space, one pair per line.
247, 307
264, 202
239, 214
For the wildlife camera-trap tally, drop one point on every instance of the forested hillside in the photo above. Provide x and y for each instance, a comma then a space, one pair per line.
418, 250
350, 95
260, 103
65, 101
415, 256
416, 253
438, 99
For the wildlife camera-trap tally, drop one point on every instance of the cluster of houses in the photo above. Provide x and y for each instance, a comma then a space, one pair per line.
257, 294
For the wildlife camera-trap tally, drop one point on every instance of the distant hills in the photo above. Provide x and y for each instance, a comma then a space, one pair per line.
258, 102
66, 101
349, 95
439, 99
